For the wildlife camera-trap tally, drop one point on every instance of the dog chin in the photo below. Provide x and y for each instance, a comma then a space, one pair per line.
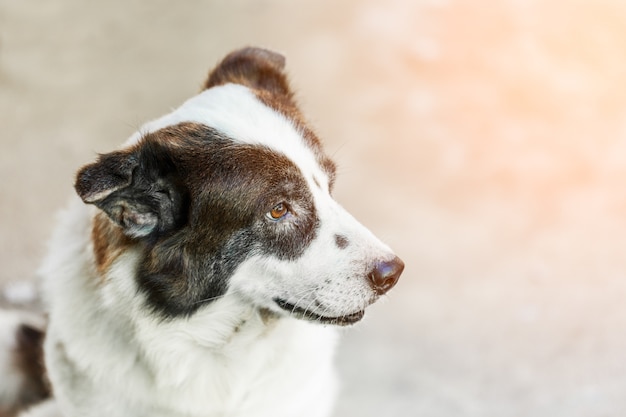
305, 314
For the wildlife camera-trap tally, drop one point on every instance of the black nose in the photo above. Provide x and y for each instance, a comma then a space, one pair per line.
385, 275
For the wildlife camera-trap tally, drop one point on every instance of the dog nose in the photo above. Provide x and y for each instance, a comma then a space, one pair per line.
385, 275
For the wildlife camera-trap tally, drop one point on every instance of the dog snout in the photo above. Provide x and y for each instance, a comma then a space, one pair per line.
385, 275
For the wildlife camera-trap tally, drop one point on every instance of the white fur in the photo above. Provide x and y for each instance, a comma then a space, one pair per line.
46, 409
108, 355
196, 367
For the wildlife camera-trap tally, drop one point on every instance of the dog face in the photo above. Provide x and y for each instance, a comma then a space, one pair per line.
230, 195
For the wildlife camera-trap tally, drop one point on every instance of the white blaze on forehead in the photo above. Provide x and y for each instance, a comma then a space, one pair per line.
236, 112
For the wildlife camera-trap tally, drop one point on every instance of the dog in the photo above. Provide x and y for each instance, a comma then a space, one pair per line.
203, 268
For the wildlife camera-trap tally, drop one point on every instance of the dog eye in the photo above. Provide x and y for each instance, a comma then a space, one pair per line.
279, 211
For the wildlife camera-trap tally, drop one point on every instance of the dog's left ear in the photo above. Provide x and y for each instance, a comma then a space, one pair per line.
256, 68
137, 189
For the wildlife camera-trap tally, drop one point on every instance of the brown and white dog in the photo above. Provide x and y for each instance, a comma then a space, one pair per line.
205, 273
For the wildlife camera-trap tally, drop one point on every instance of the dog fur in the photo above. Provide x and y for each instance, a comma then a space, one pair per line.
209, 268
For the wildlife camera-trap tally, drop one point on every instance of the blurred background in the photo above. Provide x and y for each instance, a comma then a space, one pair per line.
484, 141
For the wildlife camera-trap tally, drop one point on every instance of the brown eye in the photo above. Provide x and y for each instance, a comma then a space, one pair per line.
278, 211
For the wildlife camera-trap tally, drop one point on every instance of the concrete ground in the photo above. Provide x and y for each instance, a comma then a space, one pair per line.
485, 141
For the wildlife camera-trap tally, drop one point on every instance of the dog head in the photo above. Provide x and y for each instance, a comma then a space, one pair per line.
230, 194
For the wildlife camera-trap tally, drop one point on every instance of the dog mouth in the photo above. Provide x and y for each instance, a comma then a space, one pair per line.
305, 314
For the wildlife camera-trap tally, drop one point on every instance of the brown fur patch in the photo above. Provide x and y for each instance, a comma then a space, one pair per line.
256, 68
229, 188
29, 361
108, 241
341, 241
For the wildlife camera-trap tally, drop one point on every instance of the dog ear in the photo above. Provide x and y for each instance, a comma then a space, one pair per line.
256, 68
137, 189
